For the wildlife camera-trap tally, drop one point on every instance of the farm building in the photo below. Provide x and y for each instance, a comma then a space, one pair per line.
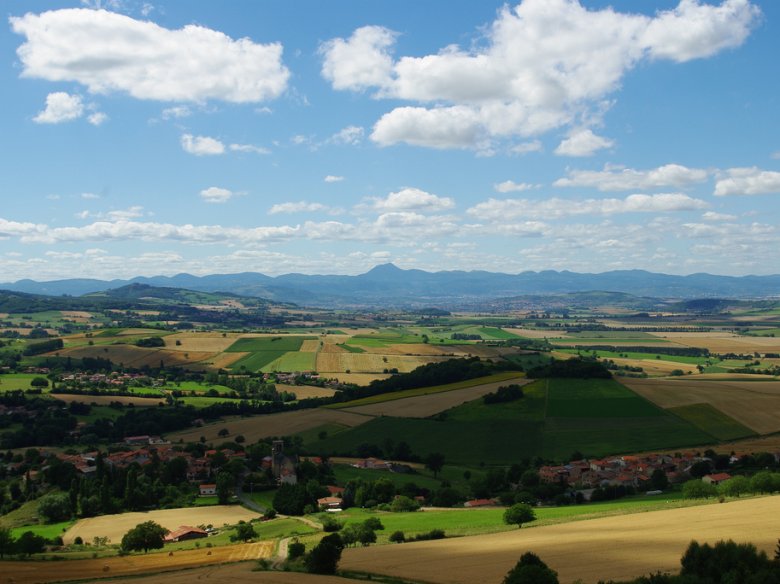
717, 478
329, 503
184, 533
208, 490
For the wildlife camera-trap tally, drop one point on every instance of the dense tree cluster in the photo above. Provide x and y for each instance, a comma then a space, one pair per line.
504, 394
577, 368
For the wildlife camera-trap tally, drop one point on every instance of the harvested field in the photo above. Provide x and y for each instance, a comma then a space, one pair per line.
756, 404
198, 343
424, 406
239, 574
306, 391
115, 526
310, 346
104, 400
723, 342
331, 347
30, 572
283, 424
368, 362
224, 360
77, 315
618, 548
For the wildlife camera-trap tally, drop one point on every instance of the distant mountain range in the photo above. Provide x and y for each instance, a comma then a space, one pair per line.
389, 285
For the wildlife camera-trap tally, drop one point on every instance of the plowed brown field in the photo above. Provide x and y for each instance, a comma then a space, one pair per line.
104, 400
617, 548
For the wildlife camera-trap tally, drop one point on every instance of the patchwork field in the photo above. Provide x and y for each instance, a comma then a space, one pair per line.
199, 342
33, 572
115, 526
755, 404
598, 549
555, 418
258, 427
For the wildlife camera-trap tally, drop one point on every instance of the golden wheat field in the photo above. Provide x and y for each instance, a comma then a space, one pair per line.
619, 547
115, 526
356, 378
310, 346
534, 333
756, 404
284, 424
198, 342
32, 572
424, 406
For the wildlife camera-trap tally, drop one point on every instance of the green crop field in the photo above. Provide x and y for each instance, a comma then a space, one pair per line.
595, 398
256, 361
49, 531
293, 361
281, 343
496, 333
713, 421
474, 433
385, 397
641, 355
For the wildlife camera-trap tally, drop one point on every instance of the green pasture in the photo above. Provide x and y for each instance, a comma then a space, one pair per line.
49, 531
352, 348
256, 361
713, 421
13, 381
641, 355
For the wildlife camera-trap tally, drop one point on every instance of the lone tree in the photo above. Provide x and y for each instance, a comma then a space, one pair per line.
144, 536
434, 462
325, 556
519, 513
245, 531
531, 570
54, 507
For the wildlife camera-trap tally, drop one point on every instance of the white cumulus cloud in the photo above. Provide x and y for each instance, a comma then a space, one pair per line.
250, 148
509, 186
747, 181
145, 60
332, 178
582, 143
502, 209
216, 195
60, 107
626, 179
202, 145
544, 64
411, 199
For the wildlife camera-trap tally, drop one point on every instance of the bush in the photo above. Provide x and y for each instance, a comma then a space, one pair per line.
295, 550
397, 537
325, 556
330, 524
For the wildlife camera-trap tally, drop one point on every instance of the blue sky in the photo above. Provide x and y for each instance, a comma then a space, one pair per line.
144, 138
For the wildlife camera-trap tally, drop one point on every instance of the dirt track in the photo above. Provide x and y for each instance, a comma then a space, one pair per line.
618, 548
